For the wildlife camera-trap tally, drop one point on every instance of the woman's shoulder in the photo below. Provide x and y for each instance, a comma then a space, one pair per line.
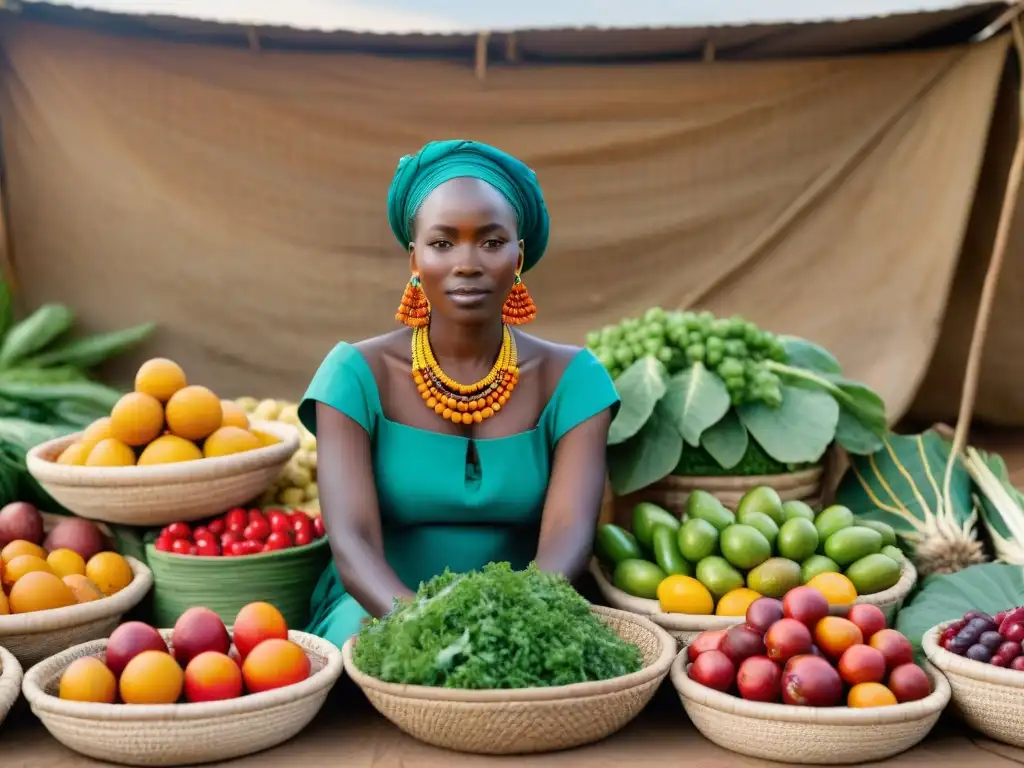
560, 362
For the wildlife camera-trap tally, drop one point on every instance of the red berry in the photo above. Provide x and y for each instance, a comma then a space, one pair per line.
303, 538
257, 530
228, 539
278, 540
255, 514
279, 521
302, 524
207, 548
252, 547
217, 526
318, 527
235, 518
238, 548
179, 531
180, 546
163, 544
200, 530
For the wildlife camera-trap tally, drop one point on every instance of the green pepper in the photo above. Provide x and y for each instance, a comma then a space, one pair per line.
647, 517
613, 544
667, 554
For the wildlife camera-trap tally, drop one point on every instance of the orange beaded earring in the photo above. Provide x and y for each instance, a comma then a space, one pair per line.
519, 307
414, 311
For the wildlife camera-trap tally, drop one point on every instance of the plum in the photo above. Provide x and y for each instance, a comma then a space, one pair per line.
710, 640
895, 647
991, 640
759, 679
979, 652
1018, 664
805, 604
20, 520
764, 612
1013, 632
909, 682
1009, 650
742, 642
78, 535
811, 682
787, 638
713, 669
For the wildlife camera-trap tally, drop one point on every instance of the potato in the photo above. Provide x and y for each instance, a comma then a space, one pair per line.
20, 520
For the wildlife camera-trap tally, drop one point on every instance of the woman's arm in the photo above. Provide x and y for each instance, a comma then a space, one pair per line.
348, 503
573, 501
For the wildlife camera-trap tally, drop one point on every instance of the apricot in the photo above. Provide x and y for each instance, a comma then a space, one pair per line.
109, 571
194, 413
64, 562
862, 664
110, 453
228, 440
76, 454
21, 547
88, 679
152, 677
39, 591
136, 419
833, 635
232, 415
255, 623
160, 378
20, 566
169, 449
82, 588
870, 695
274, 664
98, 430
212, 676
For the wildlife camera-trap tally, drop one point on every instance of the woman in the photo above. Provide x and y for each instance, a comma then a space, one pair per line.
421, 470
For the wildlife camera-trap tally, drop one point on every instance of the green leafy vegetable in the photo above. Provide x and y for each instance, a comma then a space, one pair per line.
697, 399
802, 353
902, 485
726, 441
648, 456
990, 587
494, 629
640, 387
800, 430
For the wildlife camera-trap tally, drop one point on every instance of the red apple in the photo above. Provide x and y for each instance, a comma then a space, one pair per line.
198, 630
759, 679
808, 681
787, 638
714, 670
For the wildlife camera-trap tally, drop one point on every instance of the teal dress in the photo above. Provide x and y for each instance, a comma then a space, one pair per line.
437, 509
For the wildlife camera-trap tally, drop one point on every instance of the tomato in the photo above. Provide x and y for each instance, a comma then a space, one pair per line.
302, 524
237, 518
278, 540
179, 531
302, 538
200, 531
217, 526
180, 546
252, 547
318, 527
255, 515
228, 539
207, 548
163, 544
257, 530
238, 548
279, 521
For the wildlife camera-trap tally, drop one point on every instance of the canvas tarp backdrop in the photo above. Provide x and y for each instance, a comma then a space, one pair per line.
237, 197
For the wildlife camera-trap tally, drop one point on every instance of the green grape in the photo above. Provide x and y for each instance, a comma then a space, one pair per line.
655, 330
607, 358
714, 355
705, 317
720, 328
624, 355
638, 350
695, 337
652, 346
715, 343
731, 368
654, 315
593, 339
736, 327
735, 384
611, 334
735, 348
665, 355
695, 353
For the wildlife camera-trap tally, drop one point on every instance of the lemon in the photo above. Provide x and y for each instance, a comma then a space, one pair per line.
684, 594
836, 588
736, 602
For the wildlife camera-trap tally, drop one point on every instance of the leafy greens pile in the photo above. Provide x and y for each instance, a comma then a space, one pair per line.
690, 381
493, 629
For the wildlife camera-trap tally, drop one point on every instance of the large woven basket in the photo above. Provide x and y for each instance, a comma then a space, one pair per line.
989, 699
685, 627
529, 720
181, 734
285, 579
32, 637
10, 682
161, 494
808, 735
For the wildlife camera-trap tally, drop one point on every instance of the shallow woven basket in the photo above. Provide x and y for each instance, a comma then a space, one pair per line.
989, 699
808, 735
10, 682
32, 637
181, 734
285, 579
685, 627
529, 720
165, 493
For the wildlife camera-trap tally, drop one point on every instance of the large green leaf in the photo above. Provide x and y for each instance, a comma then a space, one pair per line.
640, 387
990, 587
726, 441
854, 436
648, 456
903, 485
863, 404
696, 398
802, 353
798, 431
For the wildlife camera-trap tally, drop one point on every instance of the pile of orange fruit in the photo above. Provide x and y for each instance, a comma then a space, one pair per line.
165, 420
36, 580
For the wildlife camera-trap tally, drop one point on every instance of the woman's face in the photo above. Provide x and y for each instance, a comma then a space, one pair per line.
466, 251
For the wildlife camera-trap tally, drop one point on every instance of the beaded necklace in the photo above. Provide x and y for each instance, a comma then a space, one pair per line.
463, 403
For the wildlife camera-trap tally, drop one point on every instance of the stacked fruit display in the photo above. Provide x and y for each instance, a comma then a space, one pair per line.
717, 561
242, 532
296, 486
997, 640
793, 651
200, 665
70, 565
164, 421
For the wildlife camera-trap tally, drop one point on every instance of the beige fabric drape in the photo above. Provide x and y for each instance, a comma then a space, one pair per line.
237, 198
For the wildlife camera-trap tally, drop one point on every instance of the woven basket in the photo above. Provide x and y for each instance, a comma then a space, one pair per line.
285, 579
181, 734
529, 720
685, 627
32, 637
10, 682
989, 699
161, 494
808, 735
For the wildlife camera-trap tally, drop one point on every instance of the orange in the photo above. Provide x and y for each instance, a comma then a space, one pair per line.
274, 663
232, 415
228, 440
98, 430
137, 419
39, 591
870, 695
194, 413
736, 601
151, 677
110, 453
65, 562
168, 449
834, 634
109, 571
16, 569
76, 453
5, 607
160, 378
88, 679
684, 594
82, 588
836, 588
21, 547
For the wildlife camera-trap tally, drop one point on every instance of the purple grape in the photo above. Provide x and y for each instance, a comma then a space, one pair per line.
991, 639
959, 645
968, 635
979, 652
982, 624
977, 615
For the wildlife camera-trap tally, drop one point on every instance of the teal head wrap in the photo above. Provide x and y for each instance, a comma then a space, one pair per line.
439, 161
